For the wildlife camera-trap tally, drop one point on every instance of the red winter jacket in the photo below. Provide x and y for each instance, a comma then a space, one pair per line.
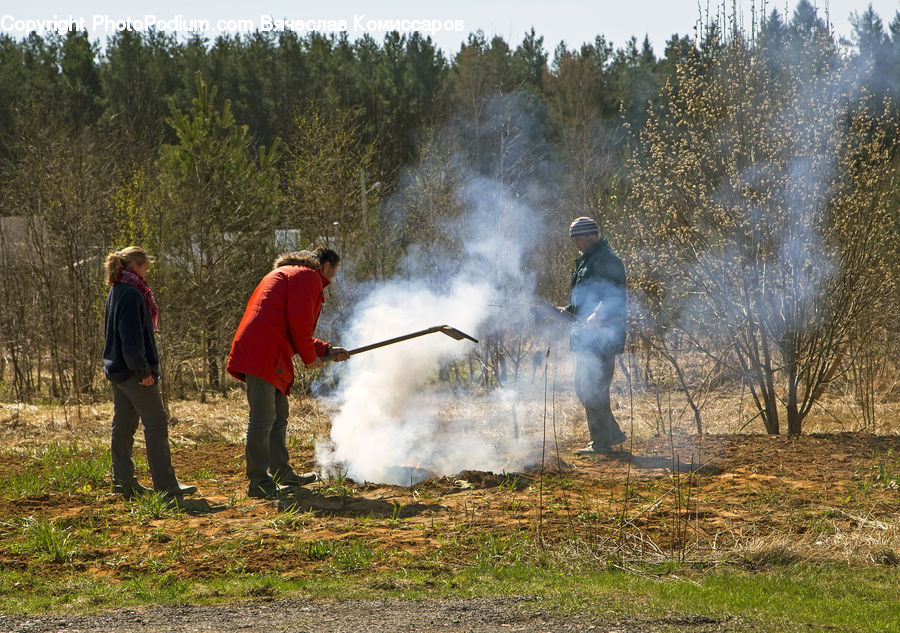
279, 322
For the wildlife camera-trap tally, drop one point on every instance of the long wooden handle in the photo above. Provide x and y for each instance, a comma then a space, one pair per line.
396, 339
452, 332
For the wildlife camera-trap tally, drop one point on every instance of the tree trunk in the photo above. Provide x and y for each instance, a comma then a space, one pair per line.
212, 363
795, 420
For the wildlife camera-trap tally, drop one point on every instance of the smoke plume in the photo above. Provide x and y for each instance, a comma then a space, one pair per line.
394, 416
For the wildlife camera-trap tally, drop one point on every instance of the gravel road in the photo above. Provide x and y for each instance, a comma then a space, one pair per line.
484, 615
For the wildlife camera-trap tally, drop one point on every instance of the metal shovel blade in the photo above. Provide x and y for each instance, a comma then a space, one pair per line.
453, 333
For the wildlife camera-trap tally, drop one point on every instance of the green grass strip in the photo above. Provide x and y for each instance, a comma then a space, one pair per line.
779, 599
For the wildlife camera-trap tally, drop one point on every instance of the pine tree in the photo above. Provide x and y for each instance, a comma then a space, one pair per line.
220, 205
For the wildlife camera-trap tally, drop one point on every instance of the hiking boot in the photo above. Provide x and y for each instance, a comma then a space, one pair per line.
594, 449
131, 489
264, 490
293, 479
177, 489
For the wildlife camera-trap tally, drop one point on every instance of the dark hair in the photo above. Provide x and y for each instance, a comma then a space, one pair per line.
297, 258
327, 256
117, 260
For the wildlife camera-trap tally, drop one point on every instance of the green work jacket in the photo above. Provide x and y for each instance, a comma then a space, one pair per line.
598, 287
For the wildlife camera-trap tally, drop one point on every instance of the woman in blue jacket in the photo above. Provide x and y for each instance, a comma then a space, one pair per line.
131, 364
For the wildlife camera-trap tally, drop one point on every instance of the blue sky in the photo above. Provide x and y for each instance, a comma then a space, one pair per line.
573, 21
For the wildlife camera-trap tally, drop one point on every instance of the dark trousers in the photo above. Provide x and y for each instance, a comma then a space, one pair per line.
593, 376
131, 402
266, 449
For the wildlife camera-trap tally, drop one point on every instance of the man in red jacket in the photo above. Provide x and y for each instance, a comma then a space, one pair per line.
279, 322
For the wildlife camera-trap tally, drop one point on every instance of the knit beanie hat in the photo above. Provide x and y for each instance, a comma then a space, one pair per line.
583, 226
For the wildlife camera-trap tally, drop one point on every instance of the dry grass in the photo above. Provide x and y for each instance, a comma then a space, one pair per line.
871, 543
643, 412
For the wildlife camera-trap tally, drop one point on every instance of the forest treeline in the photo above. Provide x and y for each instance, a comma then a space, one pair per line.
748, 179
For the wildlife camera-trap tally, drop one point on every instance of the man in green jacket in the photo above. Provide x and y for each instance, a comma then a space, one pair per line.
597, 301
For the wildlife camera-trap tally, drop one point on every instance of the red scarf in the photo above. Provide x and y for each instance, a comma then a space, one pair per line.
125, 276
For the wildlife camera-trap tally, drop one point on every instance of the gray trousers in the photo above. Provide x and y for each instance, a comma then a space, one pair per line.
266, 449
593, 376
131, 402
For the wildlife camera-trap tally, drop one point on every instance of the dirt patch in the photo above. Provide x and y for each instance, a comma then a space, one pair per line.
684, 492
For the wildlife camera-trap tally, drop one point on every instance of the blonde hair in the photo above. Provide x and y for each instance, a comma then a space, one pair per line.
117, 260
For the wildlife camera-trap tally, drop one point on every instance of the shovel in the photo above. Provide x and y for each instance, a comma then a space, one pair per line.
452, 332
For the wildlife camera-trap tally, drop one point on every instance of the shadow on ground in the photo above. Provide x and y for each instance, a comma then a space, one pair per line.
303, 500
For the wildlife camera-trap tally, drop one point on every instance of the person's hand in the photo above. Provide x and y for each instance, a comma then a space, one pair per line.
339, 353
315, 364
147, 382
565, 314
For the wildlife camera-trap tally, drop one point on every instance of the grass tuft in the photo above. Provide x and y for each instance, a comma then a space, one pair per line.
884, 471
49, 540
292, 518
154, 506
340, 485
